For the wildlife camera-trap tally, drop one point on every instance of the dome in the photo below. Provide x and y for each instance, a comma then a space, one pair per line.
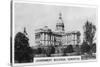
46, 29
60, 21
60, 24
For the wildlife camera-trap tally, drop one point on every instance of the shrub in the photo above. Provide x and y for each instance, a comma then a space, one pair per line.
85, 48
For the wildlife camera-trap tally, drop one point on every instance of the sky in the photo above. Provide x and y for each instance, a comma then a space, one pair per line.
34, 16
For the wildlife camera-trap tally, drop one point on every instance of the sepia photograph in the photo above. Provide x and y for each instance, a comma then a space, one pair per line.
45, 33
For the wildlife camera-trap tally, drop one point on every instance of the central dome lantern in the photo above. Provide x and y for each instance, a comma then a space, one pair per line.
60, 24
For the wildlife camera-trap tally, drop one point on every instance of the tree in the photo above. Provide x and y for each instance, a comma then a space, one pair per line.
50, 50
39, 50
89, 32
85, 48
93, 48
23, 52
69, 49
77, 49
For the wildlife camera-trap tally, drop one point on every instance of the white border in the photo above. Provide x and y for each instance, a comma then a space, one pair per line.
56, 3
46, 3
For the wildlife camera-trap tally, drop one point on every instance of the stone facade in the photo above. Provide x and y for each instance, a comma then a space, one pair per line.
46, 37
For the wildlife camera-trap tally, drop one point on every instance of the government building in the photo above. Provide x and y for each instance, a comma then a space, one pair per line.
46, 37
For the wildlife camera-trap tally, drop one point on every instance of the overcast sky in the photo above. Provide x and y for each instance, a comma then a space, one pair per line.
34, 16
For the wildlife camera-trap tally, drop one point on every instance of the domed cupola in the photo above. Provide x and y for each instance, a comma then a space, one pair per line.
46, 29
60, 24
